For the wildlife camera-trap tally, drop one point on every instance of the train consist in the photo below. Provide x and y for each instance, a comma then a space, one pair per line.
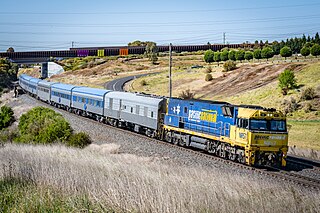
250, 135
112, 51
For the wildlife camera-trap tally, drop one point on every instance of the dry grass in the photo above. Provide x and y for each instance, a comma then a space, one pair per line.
139, 184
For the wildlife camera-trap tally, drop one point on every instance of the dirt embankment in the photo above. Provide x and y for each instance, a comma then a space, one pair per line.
246, 77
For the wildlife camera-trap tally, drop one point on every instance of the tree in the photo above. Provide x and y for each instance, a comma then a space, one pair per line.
317, 38
216, 57
305, 51
208, 56
224, 55
240, 55
43, 125
6, 117
315, 50
10, 50
286, 52
266, 52
287, 81
152, 52
232, 55
248, 55
257, 54
276, 47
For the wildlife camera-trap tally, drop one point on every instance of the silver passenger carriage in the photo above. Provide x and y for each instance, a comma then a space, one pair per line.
33, 86
89, 101
61, 95
44, 90
24, 81
142, 112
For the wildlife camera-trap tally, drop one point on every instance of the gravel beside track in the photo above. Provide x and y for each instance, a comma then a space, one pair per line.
139, 145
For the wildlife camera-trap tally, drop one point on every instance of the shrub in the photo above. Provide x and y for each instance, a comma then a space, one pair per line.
308, 94
289, 106
257, 54
267, 53
79, 140
143, 82
229, 65
216, 57
208, 70
305, 51
240, 55
6, 117
287, 81
43, 126
224, 55
315, 50
248, 55
208, 56
208, 77
232, 55
187, 95
285, 52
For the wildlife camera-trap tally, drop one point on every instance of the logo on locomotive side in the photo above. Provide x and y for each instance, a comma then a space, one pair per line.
205, 115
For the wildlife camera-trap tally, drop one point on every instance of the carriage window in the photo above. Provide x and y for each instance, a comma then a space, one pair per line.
151, 114
185, 109
131, 109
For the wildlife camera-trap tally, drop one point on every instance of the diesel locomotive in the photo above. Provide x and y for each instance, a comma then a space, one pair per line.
247, 134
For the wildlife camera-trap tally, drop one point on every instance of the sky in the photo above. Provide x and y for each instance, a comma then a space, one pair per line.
57, 25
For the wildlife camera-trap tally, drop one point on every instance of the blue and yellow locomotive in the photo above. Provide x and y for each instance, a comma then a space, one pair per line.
248, 134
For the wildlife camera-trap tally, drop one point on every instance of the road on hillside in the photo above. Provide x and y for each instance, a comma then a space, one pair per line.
117, 84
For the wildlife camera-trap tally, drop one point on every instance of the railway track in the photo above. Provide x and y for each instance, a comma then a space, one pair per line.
282, 174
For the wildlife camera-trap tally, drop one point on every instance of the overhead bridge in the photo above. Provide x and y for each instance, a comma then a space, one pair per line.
24, 57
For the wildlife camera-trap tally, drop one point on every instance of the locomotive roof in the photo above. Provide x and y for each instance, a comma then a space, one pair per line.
203, 101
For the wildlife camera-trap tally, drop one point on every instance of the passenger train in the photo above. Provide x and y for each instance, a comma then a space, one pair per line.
247, 134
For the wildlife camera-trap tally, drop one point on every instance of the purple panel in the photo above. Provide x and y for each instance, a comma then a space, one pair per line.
82, 53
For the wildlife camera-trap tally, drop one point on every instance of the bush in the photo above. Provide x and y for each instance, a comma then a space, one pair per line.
229, 65
289, 106
208, 56
208, 77
216, 57
208, 70
232, 55
267, 53
287, 81
308, 94
43, 126
285, 52
315, 50
248, 55
224, 55
240, 55
187, 95
79, 140
257, 54
305, 51
6, 117
143, 82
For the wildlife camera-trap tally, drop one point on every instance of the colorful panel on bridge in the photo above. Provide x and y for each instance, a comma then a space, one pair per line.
82, 53
123, 52
100, 53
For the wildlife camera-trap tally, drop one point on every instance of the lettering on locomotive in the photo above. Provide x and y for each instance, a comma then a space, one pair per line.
210, 116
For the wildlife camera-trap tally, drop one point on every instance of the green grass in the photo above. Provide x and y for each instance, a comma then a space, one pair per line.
304, 134
21, 196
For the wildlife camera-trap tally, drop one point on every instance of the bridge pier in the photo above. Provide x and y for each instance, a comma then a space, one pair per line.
44, 70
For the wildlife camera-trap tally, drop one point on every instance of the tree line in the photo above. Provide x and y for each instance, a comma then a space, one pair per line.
305, 46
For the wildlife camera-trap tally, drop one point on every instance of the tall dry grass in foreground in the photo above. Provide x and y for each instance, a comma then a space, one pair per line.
131, 183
